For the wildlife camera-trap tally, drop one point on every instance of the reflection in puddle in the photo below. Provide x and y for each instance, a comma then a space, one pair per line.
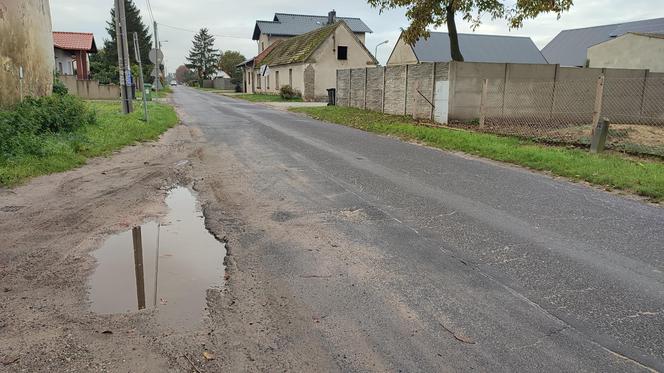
168, 267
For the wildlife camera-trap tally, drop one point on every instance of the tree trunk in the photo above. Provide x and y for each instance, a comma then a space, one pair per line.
452, 33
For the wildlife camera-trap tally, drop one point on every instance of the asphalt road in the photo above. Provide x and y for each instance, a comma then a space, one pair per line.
469, 264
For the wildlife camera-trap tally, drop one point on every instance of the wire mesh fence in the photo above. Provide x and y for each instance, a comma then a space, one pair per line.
566, 111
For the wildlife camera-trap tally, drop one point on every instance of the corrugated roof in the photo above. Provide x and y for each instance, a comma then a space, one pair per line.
76, 41
479, 48
298, 48
570, 47
296, 24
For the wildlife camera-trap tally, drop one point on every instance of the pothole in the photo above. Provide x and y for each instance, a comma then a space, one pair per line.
167, 266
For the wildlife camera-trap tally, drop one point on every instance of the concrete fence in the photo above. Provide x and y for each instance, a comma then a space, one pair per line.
530, 100
90, 89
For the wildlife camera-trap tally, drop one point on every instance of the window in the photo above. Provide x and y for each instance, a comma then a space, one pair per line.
267, 82
342, 53
60, 67
258, 81
262, 46
276, 80
290, 77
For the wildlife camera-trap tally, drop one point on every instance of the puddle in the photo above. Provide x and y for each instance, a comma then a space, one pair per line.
190, 262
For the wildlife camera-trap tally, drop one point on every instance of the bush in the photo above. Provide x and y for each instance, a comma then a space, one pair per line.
288, 93
59, 88
23, 127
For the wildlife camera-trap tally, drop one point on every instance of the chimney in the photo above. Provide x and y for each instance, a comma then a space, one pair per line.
331, 17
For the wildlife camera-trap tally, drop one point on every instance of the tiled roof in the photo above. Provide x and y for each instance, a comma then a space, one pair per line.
296, 24
75, 41
298, 48
479, 48
570, 47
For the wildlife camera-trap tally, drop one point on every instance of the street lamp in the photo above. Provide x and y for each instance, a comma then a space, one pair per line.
378, 45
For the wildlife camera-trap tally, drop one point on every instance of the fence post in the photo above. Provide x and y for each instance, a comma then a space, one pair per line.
483, 103
405, 93
599, 136
366, 77
433, 88
382, 99
599, 92
350, 88
643, 95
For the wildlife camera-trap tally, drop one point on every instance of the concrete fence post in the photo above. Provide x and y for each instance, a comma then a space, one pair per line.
483, 101
433, 89
599, 92
382, 99
600, 133
643, 96
350, 87
405, 92
366, 77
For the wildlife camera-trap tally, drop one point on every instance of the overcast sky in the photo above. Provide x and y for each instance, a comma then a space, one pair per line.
233, 21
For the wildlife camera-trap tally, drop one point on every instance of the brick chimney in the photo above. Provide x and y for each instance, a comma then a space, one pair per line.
331, 17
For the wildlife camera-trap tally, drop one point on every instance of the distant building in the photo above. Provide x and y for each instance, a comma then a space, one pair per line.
633, 50
307, 62
474, 48
71, 53
284, 26
570, 47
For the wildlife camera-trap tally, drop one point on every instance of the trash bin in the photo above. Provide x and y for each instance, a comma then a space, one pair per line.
331, 96
147, 91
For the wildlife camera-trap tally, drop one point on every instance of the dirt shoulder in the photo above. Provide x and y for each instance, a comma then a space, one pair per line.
48, 228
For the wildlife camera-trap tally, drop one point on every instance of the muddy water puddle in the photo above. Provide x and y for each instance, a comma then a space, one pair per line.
168, 266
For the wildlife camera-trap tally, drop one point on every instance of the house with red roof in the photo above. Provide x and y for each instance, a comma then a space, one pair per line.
71, 53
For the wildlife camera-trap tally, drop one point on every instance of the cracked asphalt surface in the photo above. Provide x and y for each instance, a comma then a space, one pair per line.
438, 261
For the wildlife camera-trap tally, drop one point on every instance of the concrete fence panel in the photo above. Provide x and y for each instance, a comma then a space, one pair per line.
420, 88
343, 87
375, 80
395, 89
357, 87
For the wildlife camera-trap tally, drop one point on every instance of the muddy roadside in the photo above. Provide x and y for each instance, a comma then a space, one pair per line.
50, 228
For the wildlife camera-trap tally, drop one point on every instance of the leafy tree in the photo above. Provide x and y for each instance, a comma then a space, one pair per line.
423, 13
106, 62
184, 75
228, 63
203, 57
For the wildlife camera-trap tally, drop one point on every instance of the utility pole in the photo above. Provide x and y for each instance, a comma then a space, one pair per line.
137, 51
123, 56
156, 64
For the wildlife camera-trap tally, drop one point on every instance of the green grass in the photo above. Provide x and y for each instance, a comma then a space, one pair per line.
610, 170
112, 131
262, 97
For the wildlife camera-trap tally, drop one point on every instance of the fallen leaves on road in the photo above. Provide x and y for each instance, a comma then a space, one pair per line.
208, 355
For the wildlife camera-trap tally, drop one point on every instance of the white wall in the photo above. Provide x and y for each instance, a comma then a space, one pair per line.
64, 62
629, 51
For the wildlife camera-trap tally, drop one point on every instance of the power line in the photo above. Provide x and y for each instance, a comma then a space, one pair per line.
196, 32
147, 2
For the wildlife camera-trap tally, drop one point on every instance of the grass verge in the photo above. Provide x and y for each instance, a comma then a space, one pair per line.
112, 131
261, 97
612, 171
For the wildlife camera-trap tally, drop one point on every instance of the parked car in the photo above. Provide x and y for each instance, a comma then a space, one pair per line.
173, 83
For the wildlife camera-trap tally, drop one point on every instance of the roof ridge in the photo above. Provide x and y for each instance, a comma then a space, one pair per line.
313, 15
73, 32
612, 24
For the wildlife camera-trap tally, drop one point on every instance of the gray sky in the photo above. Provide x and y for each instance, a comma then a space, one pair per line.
236, 19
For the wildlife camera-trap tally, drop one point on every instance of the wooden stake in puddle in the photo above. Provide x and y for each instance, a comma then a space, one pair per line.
138, 266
